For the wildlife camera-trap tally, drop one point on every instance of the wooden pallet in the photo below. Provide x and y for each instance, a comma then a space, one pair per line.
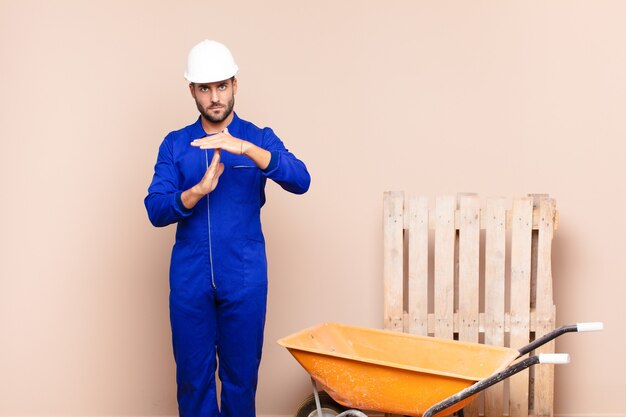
476, 271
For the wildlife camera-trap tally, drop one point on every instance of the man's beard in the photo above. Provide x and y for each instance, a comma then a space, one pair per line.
228, 109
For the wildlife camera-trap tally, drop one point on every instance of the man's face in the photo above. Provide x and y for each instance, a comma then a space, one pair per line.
215, 101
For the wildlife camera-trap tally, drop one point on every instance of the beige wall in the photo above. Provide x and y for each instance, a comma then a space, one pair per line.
494, 97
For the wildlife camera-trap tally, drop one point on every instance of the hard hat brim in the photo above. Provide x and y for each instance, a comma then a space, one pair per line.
212, 78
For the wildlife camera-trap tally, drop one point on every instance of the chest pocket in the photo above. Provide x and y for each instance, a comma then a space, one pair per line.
244, 183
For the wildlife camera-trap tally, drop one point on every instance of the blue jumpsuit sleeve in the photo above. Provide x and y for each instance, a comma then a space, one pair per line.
285, 169
163, 202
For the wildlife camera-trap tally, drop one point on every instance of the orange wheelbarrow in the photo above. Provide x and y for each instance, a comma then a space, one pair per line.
398, 373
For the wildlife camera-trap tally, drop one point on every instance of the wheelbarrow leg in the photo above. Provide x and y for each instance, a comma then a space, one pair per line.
317, 399
318, 405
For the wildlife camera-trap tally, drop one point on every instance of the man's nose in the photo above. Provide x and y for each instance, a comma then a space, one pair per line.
214, 96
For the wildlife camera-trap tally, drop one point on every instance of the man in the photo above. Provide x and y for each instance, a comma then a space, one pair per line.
209, 178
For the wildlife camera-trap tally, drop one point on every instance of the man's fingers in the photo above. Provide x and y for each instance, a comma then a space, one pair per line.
221, 140
216, 169
212, 175
216, 175
207, 142
216, 156
215, 160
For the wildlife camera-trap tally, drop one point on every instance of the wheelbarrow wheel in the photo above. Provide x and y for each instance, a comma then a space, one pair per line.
330, 408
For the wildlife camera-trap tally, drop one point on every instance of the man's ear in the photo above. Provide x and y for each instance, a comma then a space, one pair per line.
192, 90
234, 85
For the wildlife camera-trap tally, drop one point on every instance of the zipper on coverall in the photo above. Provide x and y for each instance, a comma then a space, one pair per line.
208, 210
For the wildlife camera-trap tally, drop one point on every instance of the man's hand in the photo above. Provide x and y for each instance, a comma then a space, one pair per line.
208, 183
225, 141
222, 140
212, 174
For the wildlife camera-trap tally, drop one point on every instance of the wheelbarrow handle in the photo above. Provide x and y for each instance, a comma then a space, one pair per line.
590, 327
553, 358
481, 385
580, 327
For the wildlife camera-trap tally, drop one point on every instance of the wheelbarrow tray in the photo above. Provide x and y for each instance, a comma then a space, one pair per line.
392, 372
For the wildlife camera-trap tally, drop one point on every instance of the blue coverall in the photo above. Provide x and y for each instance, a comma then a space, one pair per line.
218, 270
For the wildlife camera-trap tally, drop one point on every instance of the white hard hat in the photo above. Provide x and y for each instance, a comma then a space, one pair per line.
209, 62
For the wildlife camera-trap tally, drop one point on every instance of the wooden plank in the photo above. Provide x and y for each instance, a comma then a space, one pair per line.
481, 322
393, 259
509, 219
469, 244
494, 321
468, 291
444, 266
418, 265
544, 375
521, 239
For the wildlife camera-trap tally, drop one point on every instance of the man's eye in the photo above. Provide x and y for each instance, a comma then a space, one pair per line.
204, 89
222, 87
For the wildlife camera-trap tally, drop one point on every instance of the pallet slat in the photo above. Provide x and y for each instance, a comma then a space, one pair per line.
494, 327
393, 260
418, 266
544, 375
469, 244
469, 240
521, 252
509, 219
444, 266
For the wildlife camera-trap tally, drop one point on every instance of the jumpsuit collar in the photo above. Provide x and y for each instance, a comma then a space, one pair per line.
233, 127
